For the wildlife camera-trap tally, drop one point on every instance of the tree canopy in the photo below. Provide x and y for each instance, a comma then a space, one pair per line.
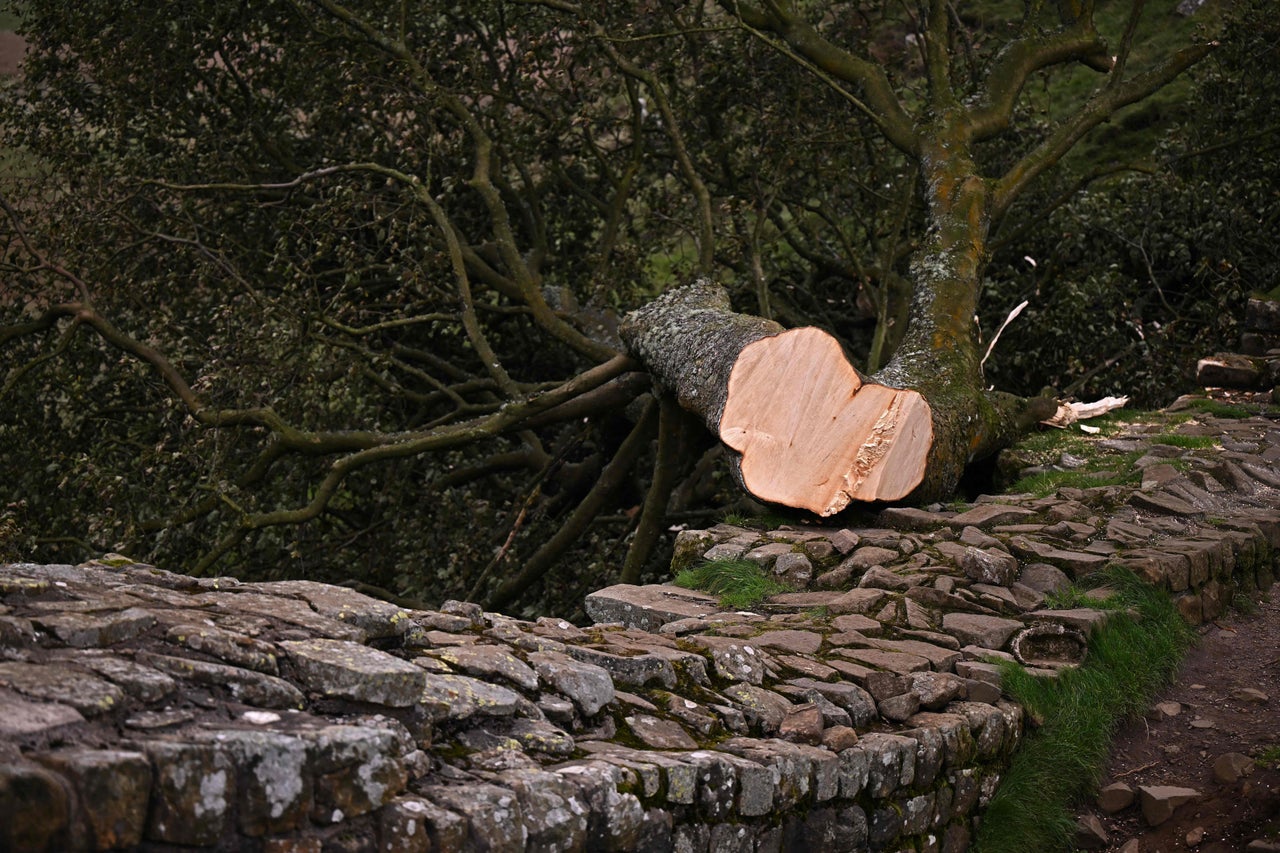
308, 287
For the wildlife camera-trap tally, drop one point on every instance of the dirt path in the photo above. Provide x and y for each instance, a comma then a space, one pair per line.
1226, 700
11, 49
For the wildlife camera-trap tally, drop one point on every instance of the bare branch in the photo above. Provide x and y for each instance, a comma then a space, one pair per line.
882, 104
1101, 107
992, 110
611, 478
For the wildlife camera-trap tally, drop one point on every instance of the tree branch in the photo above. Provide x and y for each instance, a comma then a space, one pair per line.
1100, 108
992, 110
882, 104
611, 478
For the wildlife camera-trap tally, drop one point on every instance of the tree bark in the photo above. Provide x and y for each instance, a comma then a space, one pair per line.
811, 431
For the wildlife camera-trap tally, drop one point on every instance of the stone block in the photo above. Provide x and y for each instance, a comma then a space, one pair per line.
547, 806
1230, 370
992, 565
34, 808
958, 742
493, 816
93, 630
245, 685
357, 769
1160, 801
891, 762
113, 787
193, 793
273, 780
88, 694
1190, 608
20, 717
587, 685
990, 632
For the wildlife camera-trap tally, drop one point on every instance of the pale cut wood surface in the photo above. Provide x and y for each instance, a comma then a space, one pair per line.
812, 435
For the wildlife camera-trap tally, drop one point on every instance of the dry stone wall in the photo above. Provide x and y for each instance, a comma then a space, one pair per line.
141, 709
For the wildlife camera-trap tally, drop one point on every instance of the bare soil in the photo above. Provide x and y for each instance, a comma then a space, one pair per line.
12, 47
1215, 715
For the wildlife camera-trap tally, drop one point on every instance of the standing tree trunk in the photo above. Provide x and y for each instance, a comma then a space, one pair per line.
812, 431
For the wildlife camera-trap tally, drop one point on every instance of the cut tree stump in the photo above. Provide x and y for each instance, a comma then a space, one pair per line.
812, 432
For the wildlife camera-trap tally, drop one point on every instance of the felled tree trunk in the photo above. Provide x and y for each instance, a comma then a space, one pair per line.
811, 431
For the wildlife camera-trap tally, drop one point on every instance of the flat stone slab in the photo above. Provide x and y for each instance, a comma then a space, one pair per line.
458, 697
489, 660
20, 716
990, 632
1076, 563
898, 662
88, 694
352, 671
986, 516
648, 607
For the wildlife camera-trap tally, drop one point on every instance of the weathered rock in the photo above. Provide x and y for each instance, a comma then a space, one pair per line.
1090, 833
1229, 370
588, 685
1044, 578
734, 660
990, 632
989, 566
92, 630
660, 734
647, 607
274, 782
935, 689
113, 788
245, 685
803, 723
192, 795
87, 693
1115, 797
34, 808
1160, 801
457, 697
763, 708
376, 618
22, 717
899, 708
235, 649
487, 661
352, 671
1232, 766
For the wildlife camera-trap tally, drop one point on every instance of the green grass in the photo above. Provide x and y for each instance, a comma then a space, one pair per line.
1269, 757
1219, 409
1048, 482
1062, 759
741, 584
1187, 442
9, 20
1077, 596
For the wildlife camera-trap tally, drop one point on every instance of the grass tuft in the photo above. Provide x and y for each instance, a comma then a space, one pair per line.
1048, 482
1062, 760
741, 584
1187, 442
